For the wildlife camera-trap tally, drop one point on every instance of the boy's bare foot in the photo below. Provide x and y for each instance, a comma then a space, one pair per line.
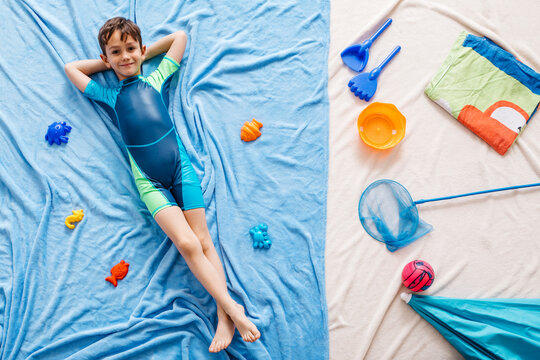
246, 328
224, 332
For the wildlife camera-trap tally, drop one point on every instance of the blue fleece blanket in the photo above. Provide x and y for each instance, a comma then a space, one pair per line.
245, 59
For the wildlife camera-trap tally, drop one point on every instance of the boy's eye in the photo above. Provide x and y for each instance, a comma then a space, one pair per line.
115, 51
131, 48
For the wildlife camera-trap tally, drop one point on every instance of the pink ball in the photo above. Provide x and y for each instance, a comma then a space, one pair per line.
417, 275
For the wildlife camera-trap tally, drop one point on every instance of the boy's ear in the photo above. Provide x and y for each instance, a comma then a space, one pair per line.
143, 51
105, 60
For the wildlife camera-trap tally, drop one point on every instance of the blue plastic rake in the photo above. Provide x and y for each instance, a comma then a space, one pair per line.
364, 85
389, 214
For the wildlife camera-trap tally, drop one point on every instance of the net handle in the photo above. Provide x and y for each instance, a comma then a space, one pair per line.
421, 201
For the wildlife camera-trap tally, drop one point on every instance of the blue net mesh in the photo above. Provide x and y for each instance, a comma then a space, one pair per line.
389, 214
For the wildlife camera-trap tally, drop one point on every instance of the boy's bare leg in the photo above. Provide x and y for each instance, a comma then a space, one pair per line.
174, 224
196, 219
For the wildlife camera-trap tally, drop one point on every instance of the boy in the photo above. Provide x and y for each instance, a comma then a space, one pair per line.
163, 173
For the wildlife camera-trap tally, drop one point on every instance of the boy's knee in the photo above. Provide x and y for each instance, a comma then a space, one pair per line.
206, 242
204, 239
188, 246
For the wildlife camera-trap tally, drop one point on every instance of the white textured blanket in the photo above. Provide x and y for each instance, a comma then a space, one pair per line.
481, 247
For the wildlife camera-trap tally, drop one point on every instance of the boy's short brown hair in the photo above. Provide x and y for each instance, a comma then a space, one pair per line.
126, 28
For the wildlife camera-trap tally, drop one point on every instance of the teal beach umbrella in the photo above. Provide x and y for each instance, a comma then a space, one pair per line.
484, 328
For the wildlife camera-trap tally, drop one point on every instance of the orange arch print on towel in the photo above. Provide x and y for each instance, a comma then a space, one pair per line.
499, 125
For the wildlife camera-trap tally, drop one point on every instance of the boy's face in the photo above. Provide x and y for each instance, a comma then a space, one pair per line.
124, 57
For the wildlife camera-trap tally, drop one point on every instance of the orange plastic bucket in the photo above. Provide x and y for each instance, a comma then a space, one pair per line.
381, 125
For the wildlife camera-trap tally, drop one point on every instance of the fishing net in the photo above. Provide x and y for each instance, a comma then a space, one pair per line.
388, 213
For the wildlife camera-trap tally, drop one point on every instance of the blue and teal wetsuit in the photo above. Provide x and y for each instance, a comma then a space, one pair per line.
162, 170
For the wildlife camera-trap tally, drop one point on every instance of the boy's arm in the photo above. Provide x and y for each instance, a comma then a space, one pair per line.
79, 71
174, 44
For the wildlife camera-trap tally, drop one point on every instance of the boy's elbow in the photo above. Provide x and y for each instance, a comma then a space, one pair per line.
180, 34
68, 68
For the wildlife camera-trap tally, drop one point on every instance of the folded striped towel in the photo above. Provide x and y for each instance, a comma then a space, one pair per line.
487, 89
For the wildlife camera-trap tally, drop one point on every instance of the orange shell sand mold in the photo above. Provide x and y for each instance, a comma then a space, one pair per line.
250, 130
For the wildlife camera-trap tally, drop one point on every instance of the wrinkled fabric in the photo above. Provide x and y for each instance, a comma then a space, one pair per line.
260, 59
